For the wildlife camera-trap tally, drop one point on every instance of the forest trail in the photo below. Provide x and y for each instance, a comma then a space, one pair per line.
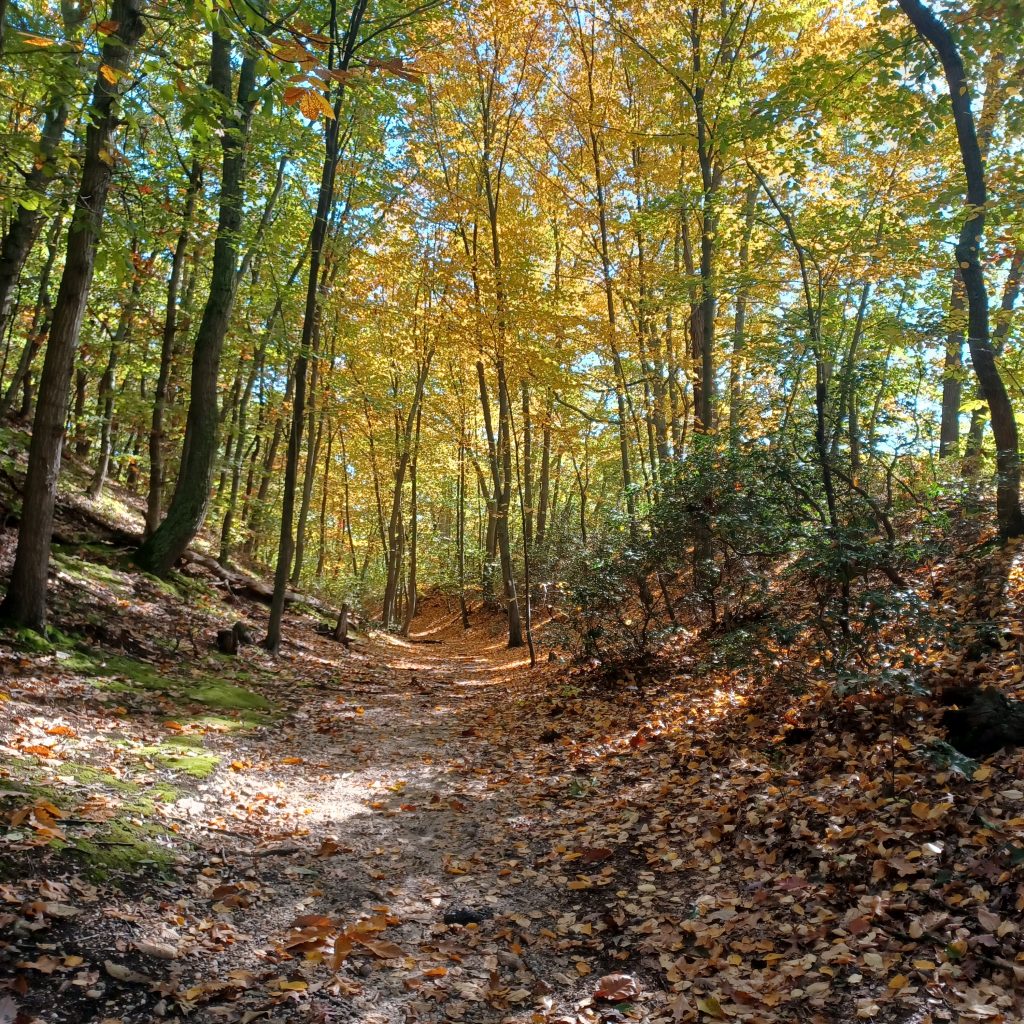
396, 786
428, 830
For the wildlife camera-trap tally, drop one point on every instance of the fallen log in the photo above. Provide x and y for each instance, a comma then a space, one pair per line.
241, 584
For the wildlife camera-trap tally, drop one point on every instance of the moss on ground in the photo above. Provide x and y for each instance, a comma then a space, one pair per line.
128, 844
87, 775
120, 674
89, 563
125, 848
198, 764
219, 694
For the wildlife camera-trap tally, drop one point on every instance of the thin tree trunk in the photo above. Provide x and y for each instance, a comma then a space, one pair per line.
312, 457
410, 609
396, 532
25, 224
236, 456
106, 395
952, 373
321, 555
545, 480
348, 505
460, 524
42, 317
968, 258
976, 433
737, 367
318, 236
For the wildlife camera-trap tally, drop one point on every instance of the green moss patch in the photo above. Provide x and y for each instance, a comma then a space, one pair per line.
125, 848
120, 674
87, 775
226, 695
198, 764
90, 571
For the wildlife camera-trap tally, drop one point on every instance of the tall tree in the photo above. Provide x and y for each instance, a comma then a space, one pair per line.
25, 601
187, 509
968, 257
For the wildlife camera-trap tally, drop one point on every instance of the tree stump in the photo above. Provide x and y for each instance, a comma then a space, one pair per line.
229, 640
981, 721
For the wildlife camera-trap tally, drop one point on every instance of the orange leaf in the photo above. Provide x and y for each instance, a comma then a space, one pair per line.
312, 921
617, 987
342, 948
382, 948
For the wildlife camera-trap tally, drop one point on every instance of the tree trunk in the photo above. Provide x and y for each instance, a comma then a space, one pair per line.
396, 533
42, 317
460, 525
312, 457
25, 601
737, 368
106, 395
25, 224
321, 554
952, 379
188, 506
968, 257
318, 236
545, 480
976, 433
410, 608
236, 456
81, 431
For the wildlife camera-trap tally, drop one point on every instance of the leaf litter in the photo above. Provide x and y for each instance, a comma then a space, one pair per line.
394, 842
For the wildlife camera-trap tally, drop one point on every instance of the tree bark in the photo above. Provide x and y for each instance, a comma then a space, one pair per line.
25, 601
952, 379
25, 224
42, 318
107, 392
737, 368
1011, 290
968, 257
187, 510
318, 236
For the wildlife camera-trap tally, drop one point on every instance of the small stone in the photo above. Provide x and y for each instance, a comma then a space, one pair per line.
467, 915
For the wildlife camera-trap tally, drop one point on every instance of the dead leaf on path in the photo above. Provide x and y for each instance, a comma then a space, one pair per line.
382, 948
121, 973
342, 948
312, 921
617, 987
43, 964
160, 950
711, 1006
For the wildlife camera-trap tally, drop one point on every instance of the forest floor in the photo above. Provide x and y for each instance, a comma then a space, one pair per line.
426, 829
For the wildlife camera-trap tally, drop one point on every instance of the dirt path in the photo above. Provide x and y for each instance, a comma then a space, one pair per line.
413, 831
383, 849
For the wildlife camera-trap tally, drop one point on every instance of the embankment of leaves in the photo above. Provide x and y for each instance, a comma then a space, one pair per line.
768, 831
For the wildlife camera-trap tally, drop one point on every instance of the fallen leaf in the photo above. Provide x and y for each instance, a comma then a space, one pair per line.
617, 987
